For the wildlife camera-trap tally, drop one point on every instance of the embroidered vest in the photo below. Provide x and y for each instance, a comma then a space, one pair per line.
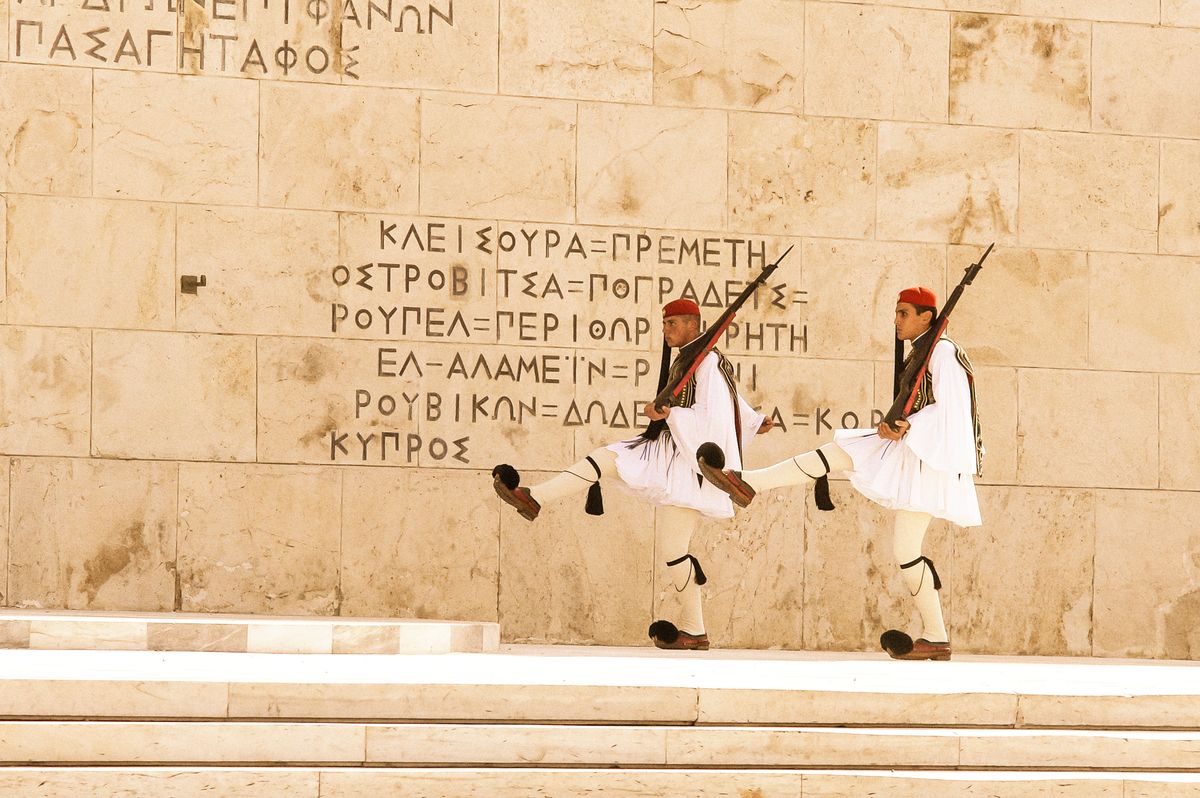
925, 397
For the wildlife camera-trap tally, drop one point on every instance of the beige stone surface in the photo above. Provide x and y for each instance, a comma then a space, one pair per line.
802, 176
808, 403
1179, 198
266, 271
476, 702
5, 627
1020, 72
848, 47
1109, 711
90, 263
133, 37
196, 637
46, 129
805, 747
1185, 13
852, 288
1160, 340
1049, 289
440, 562
290, 638
1143, 80
88, 698
275, 43
510, 783
3, 258
444, 267
92, 534
200, 404
175, 138
14, 633
311, 393
833, 786
503, 406
571, 577
1115, 750
577, 49
947, 184
823, 708
87, 635
262, 539
1070, 432
601, 296
1179, 425
339, 147
161, 783
451, 46
746, 55
366, 639
653, 166
853, 589
149, 742
1088, 192
476, 157
1147, 575
1144, 11
1035, 549
517, 745
45, 379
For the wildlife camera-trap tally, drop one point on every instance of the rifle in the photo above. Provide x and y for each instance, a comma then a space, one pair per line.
694, 353
914, 372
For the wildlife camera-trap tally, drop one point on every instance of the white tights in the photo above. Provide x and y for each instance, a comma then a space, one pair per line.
799, 470
906, 545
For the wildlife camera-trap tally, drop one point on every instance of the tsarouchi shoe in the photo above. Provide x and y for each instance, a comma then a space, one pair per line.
898, 645
667, 635
711, 461
506, 481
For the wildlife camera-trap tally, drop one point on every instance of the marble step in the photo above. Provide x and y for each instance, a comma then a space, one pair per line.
358, 744
602, 686
166, 631
578, 783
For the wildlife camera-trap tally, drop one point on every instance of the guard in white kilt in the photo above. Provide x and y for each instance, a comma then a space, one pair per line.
660, 466
923, 469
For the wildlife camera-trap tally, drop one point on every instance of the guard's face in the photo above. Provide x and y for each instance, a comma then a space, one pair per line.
908, 324
679, 330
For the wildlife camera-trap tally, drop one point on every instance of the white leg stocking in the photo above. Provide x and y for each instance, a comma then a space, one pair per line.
673, 535
799, 470
575, 479
906, 545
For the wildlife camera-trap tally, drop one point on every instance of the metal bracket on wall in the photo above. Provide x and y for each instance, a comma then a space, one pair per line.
188, 283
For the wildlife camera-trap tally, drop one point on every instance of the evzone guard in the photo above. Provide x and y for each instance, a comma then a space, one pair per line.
697, 402
920, 461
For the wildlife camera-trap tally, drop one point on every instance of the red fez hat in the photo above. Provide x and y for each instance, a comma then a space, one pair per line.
919, 296
681, 307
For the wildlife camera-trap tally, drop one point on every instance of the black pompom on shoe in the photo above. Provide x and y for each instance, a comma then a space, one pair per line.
665, 631
896, 643
507, 475
711, 454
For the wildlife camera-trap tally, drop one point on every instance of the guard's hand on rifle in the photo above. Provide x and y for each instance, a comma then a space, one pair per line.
767, 425
654, 414
885, 430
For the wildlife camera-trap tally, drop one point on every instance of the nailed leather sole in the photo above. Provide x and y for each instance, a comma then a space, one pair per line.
727, 481
519, 498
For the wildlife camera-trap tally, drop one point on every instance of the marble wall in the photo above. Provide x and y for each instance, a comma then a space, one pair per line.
435, 236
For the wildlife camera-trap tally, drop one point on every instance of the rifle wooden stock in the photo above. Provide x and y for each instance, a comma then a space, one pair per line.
693, 354
918, 364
